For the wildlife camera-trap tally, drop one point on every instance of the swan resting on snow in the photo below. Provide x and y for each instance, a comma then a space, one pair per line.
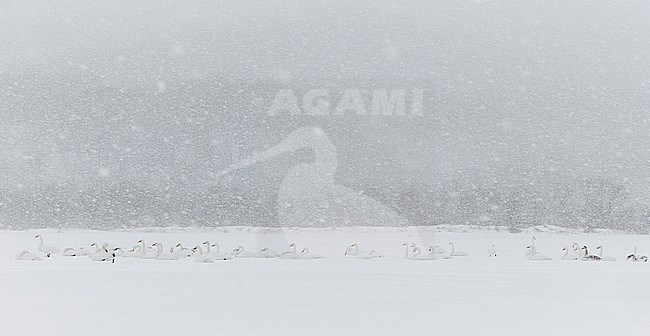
536, 255
604, 257
26, 255
637, 258
588, 257
353, 251
305, 254
455, 253
567, 256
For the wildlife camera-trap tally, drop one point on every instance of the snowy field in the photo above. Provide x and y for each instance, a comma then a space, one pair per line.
473, 295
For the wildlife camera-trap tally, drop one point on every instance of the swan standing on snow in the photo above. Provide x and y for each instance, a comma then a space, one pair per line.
355, 252
305, 254
455, 253
588, 257
293, 254
599, 248
47, 249
567, 256
536, 255
26, 255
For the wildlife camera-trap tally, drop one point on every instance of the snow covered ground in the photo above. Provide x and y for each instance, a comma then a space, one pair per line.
473, 295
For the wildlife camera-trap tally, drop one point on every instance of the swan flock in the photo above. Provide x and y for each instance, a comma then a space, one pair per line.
210, 252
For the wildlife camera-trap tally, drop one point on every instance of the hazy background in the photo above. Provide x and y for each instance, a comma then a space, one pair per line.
122, 114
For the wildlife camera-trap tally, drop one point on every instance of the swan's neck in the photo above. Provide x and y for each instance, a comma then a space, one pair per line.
207, 249
356, 249
452, 248
216, 247
406, 251
293, 249
40, 238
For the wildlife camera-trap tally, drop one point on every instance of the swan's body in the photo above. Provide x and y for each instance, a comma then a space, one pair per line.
588, 257
26, 255
436, 254
47, 249
600, 249
492, 251
536, 255
266, 253
455, 253
103, 254
567, 255
305, 254
216, 252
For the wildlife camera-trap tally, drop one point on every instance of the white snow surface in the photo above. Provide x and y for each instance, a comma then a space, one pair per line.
473, 295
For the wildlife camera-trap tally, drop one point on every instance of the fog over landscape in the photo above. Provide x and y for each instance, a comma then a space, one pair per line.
127, 114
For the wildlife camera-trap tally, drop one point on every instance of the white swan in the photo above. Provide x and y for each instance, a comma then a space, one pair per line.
26, 255
69, 252
354, 251
576, 249
216, 252
266, 253
438, 253
416, 254
147, 252
181, 251
406, 250
239, 252
567, 256
161, 255
637, 258
103, 254
492, 251
305, 254
134, 252
200, 257
588, 257
293, 254
455, 253
600, 248
536, 255
532, 248
47, 249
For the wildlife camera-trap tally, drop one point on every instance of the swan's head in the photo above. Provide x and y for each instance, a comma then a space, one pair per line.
266, 249
155, 244
206, 242
141, 241
528, 247
584, 248
353, 245
413, 245
178, 245
564, 249
37, 236
292, 245
534, 238
450, 243
599, 247
405, 244
431, 249
304, 250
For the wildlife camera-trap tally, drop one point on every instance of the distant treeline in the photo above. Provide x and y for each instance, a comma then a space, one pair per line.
588, 203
